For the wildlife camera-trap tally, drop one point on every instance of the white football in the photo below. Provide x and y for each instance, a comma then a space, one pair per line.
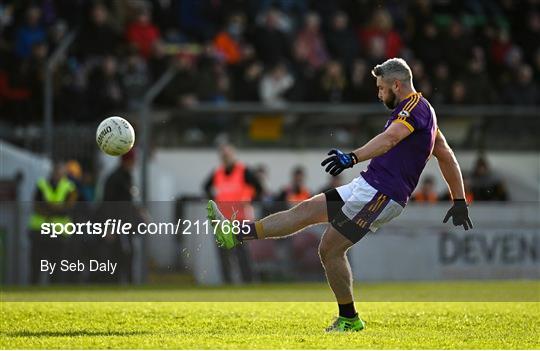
115, 136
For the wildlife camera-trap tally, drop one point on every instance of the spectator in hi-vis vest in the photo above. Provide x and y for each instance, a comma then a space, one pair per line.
53, 200
233, 186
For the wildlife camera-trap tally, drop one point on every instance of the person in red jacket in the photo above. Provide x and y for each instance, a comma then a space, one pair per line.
381, 29
142, 33
233, 186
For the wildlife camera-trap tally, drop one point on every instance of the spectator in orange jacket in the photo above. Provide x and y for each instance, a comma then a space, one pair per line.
426, 193
228, 42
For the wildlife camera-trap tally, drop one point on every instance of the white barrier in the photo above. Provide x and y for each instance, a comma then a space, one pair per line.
505, 243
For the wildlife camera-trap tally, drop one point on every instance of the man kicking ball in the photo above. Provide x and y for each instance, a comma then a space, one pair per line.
398, 156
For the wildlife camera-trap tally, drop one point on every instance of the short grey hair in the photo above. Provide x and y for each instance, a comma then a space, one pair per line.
394, 68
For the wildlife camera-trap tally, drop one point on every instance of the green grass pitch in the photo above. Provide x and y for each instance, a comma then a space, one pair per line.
470, 315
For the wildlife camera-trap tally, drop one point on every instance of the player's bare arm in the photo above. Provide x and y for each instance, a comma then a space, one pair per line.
383, 142
449, 166
379, 145
452, 175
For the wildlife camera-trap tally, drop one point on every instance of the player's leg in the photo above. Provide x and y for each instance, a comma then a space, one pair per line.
333, 253
306, 213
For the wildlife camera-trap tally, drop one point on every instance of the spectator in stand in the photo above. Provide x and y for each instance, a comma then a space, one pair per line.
104, 91
21, 85
304, 77
522, 90
459, 93
458, 46
142, 33
271, 43
32, 75
291, 11
261, 172
165, 15
296, 191
180, 92
465, 62
247, 84
158, 61
380, 34
14, 91
500, 46
441, 84
421, 79
486, 186
275, 84
230, 42
428, 45
29, 34
98, 36
212, 82
341, 42
135, 79
417, 68
426, 192
311, 42
479, 85
332, 83
359, 89
6, 17
420, 14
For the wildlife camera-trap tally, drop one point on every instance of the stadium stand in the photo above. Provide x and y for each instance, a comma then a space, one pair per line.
475, 53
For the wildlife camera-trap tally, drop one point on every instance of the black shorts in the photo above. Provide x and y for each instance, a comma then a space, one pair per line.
338, 220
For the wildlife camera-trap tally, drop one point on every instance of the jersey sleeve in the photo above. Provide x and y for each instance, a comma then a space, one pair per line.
411, 114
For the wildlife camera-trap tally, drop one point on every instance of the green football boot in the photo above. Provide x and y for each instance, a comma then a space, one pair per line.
342, 324
222, 227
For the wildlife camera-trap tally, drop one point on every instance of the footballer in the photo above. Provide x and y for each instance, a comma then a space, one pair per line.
398, 156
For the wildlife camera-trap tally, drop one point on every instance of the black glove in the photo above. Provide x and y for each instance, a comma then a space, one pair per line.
460, 214
339, 161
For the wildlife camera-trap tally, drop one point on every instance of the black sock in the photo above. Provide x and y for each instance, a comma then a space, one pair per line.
251, 232
347, 310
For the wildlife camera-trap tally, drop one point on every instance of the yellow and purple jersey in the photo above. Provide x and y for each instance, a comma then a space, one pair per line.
396, 172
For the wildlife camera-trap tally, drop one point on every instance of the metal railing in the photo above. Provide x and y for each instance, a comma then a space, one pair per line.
314, 124
48, 99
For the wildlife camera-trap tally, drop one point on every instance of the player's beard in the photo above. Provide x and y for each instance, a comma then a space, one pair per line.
391, 101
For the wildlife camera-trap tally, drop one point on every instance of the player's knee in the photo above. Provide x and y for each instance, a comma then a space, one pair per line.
323, 252
326, 252
329, 251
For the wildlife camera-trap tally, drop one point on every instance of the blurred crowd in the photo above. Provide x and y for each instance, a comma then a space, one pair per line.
272, 51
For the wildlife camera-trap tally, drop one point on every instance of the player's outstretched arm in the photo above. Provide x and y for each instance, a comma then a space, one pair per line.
382, 143
453, 177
